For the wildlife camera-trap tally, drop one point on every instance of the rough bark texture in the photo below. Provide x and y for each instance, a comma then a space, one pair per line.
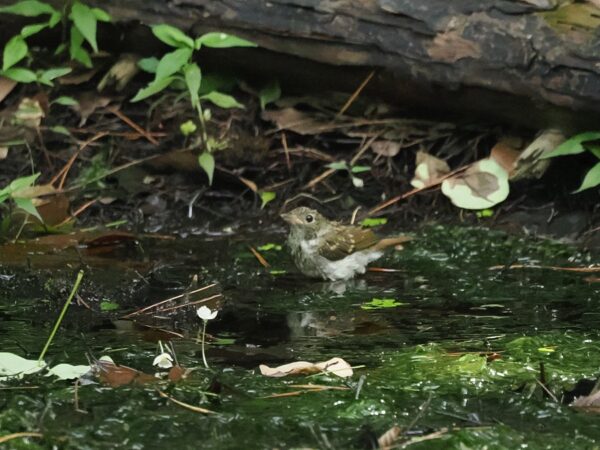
533, 61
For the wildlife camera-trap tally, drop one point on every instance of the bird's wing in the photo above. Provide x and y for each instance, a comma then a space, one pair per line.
340, 242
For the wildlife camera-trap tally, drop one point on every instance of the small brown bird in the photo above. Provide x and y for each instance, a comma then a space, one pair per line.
329, 250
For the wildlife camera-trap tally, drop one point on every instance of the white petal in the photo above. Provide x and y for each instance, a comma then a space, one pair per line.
205, 313
164, 361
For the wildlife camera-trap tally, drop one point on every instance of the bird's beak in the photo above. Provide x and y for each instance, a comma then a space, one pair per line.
291, 219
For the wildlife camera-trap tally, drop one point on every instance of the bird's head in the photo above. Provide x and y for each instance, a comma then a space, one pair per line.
306, 218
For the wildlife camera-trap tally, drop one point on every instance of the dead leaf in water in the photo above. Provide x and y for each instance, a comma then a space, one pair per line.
335, 366
114, 375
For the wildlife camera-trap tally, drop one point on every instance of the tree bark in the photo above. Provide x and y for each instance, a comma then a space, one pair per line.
530, 62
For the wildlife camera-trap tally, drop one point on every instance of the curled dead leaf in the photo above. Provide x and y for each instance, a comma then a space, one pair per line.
6, 87
335, 366
505, 154
530, 164
121, 72
386, 148
481, 186
429, 170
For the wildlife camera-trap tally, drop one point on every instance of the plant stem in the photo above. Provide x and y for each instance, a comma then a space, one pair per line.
203, 336
203, 126
62, 314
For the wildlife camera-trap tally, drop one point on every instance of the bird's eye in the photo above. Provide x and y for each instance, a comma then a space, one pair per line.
309, 218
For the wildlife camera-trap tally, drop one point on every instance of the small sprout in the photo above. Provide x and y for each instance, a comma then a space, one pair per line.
266, 197
188, 128
207, 114
358, 182
108, 306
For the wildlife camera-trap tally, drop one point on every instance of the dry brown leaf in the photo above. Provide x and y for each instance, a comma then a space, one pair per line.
121, 72
529, 164
87, 103
6, 87
389, 438
54, 210
505, 155
34, 191
335, 366
250, 184
77, 78
294, 120
386, 148
429, 170
590, 402
29, 113
113, 375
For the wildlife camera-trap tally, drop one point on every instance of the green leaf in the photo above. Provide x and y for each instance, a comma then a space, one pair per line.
595, 149
108, 306
20, 74
76, 51
591, 179
148, 64
484, 213
270, 93
207, 162
268, 247
26, 205
277, 272
172, 36
23, 182
101, 15
222, 100
153, 88
172, 62
30, 30
222, 40
381, 303
65, 101
85, 21
373, 221
573, 145
360, 169
55, 18
47, 76
338, 165
266, 197
29, 8
193, 78
60, 130
14, 51
216, 82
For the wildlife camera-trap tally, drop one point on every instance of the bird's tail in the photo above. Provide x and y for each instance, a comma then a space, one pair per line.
391, 241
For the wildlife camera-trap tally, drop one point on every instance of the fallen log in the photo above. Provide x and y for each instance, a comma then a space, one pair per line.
530, 62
